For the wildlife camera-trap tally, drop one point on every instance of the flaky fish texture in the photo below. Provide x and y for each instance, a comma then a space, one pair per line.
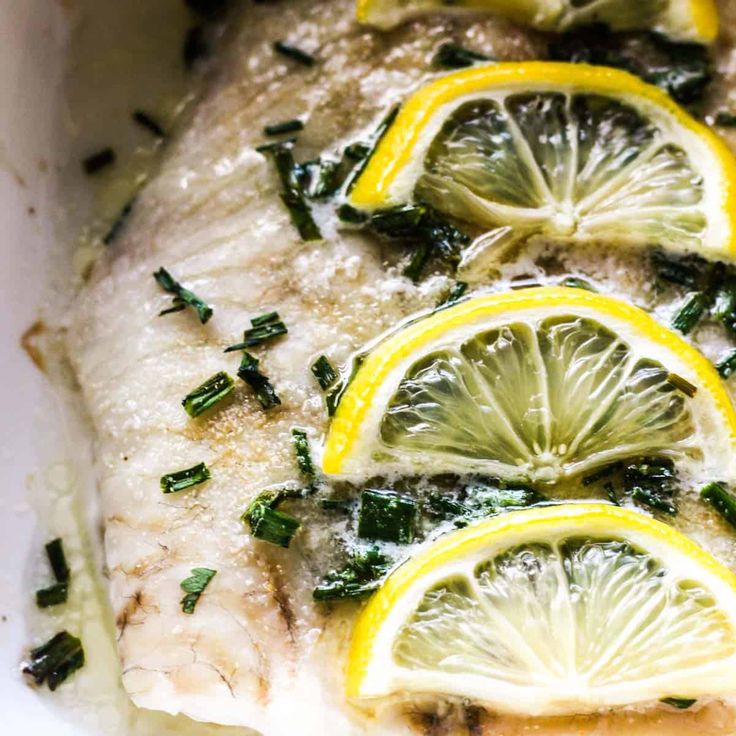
257, 652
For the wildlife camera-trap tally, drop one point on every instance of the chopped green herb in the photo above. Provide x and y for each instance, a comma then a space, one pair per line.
652, 482
292, 52
292, 195
333, 398
347, 213
727, 365
98, 161
454, 56
288, 126
183, 479
725, 119
323, 371
573, 282
264, 390
721, 500
194, 586
611, 493
367, 154
274, 145
303, 455
55, 660
319, 179
679, 703
264, 328
57, 560
357, 151
690, 312
687, 271
117, 227
54, 595
268, 524
182, 297
456, 293
361, 576
195, 46
660, 503
418, 260
149, 123
387, 516
212, 391
682, 384
344, 505
604, 472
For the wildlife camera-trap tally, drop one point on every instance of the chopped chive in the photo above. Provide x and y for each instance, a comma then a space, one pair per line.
264, 328
195, 46
454, 56
347, 213
117, 227
387, 516
690, 312
456, 293
319, 178
268, 524
183, 479
149, 123
333, 398
303, 455
194, 586
574, 282
679, 703
55, 660
212, 391
682, 384
361, 576
265, 319
654, 501
725, 119
721, 500
611, 493
288, 126
417, 262
357, 151
323, 371
54, 595
182, 297
727, 365
264, 390
292, 195
604, 472
274, 145
98, 161
292, 52
376, 138
57, 560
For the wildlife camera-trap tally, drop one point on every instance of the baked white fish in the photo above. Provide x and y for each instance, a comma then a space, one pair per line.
258, 652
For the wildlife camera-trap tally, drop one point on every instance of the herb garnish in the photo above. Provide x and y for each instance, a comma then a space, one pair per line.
212, 391
194, 587
182, 297
323, 371
364, 155
263, 328
361, 576
57, 593
292, 195
268, 524
387, 516
682, 384
263, 388
575, 282
319, 178
692, 309
725, 119
120, 221
149, 123
183, 479
652, 482
721, 500
333, 398
292, 52
303, 455
456, 293
727, 365
679, 703
454, 56
98, 161
288, 126
55, 660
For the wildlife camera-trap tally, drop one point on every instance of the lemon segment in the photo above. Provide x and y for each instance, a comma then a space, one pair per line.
571, 151
540, 383
685, 20
551, 611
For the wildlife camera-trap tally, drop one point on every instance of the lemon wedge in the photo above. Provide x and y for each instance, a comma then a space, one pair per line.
550, 611
539, 384
572, 152
685, 20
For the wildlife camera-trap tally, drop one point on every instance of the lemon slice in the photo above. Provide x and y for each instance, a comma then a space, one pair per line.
686, 20
574, 152
554, 610
539, 383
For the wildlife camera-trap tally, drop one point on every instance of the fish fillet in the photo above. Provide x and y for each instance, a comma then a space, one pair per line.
257, 652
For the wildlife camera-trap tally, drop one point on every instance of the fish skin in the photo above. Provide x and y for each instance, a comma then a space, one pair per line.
257, 652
